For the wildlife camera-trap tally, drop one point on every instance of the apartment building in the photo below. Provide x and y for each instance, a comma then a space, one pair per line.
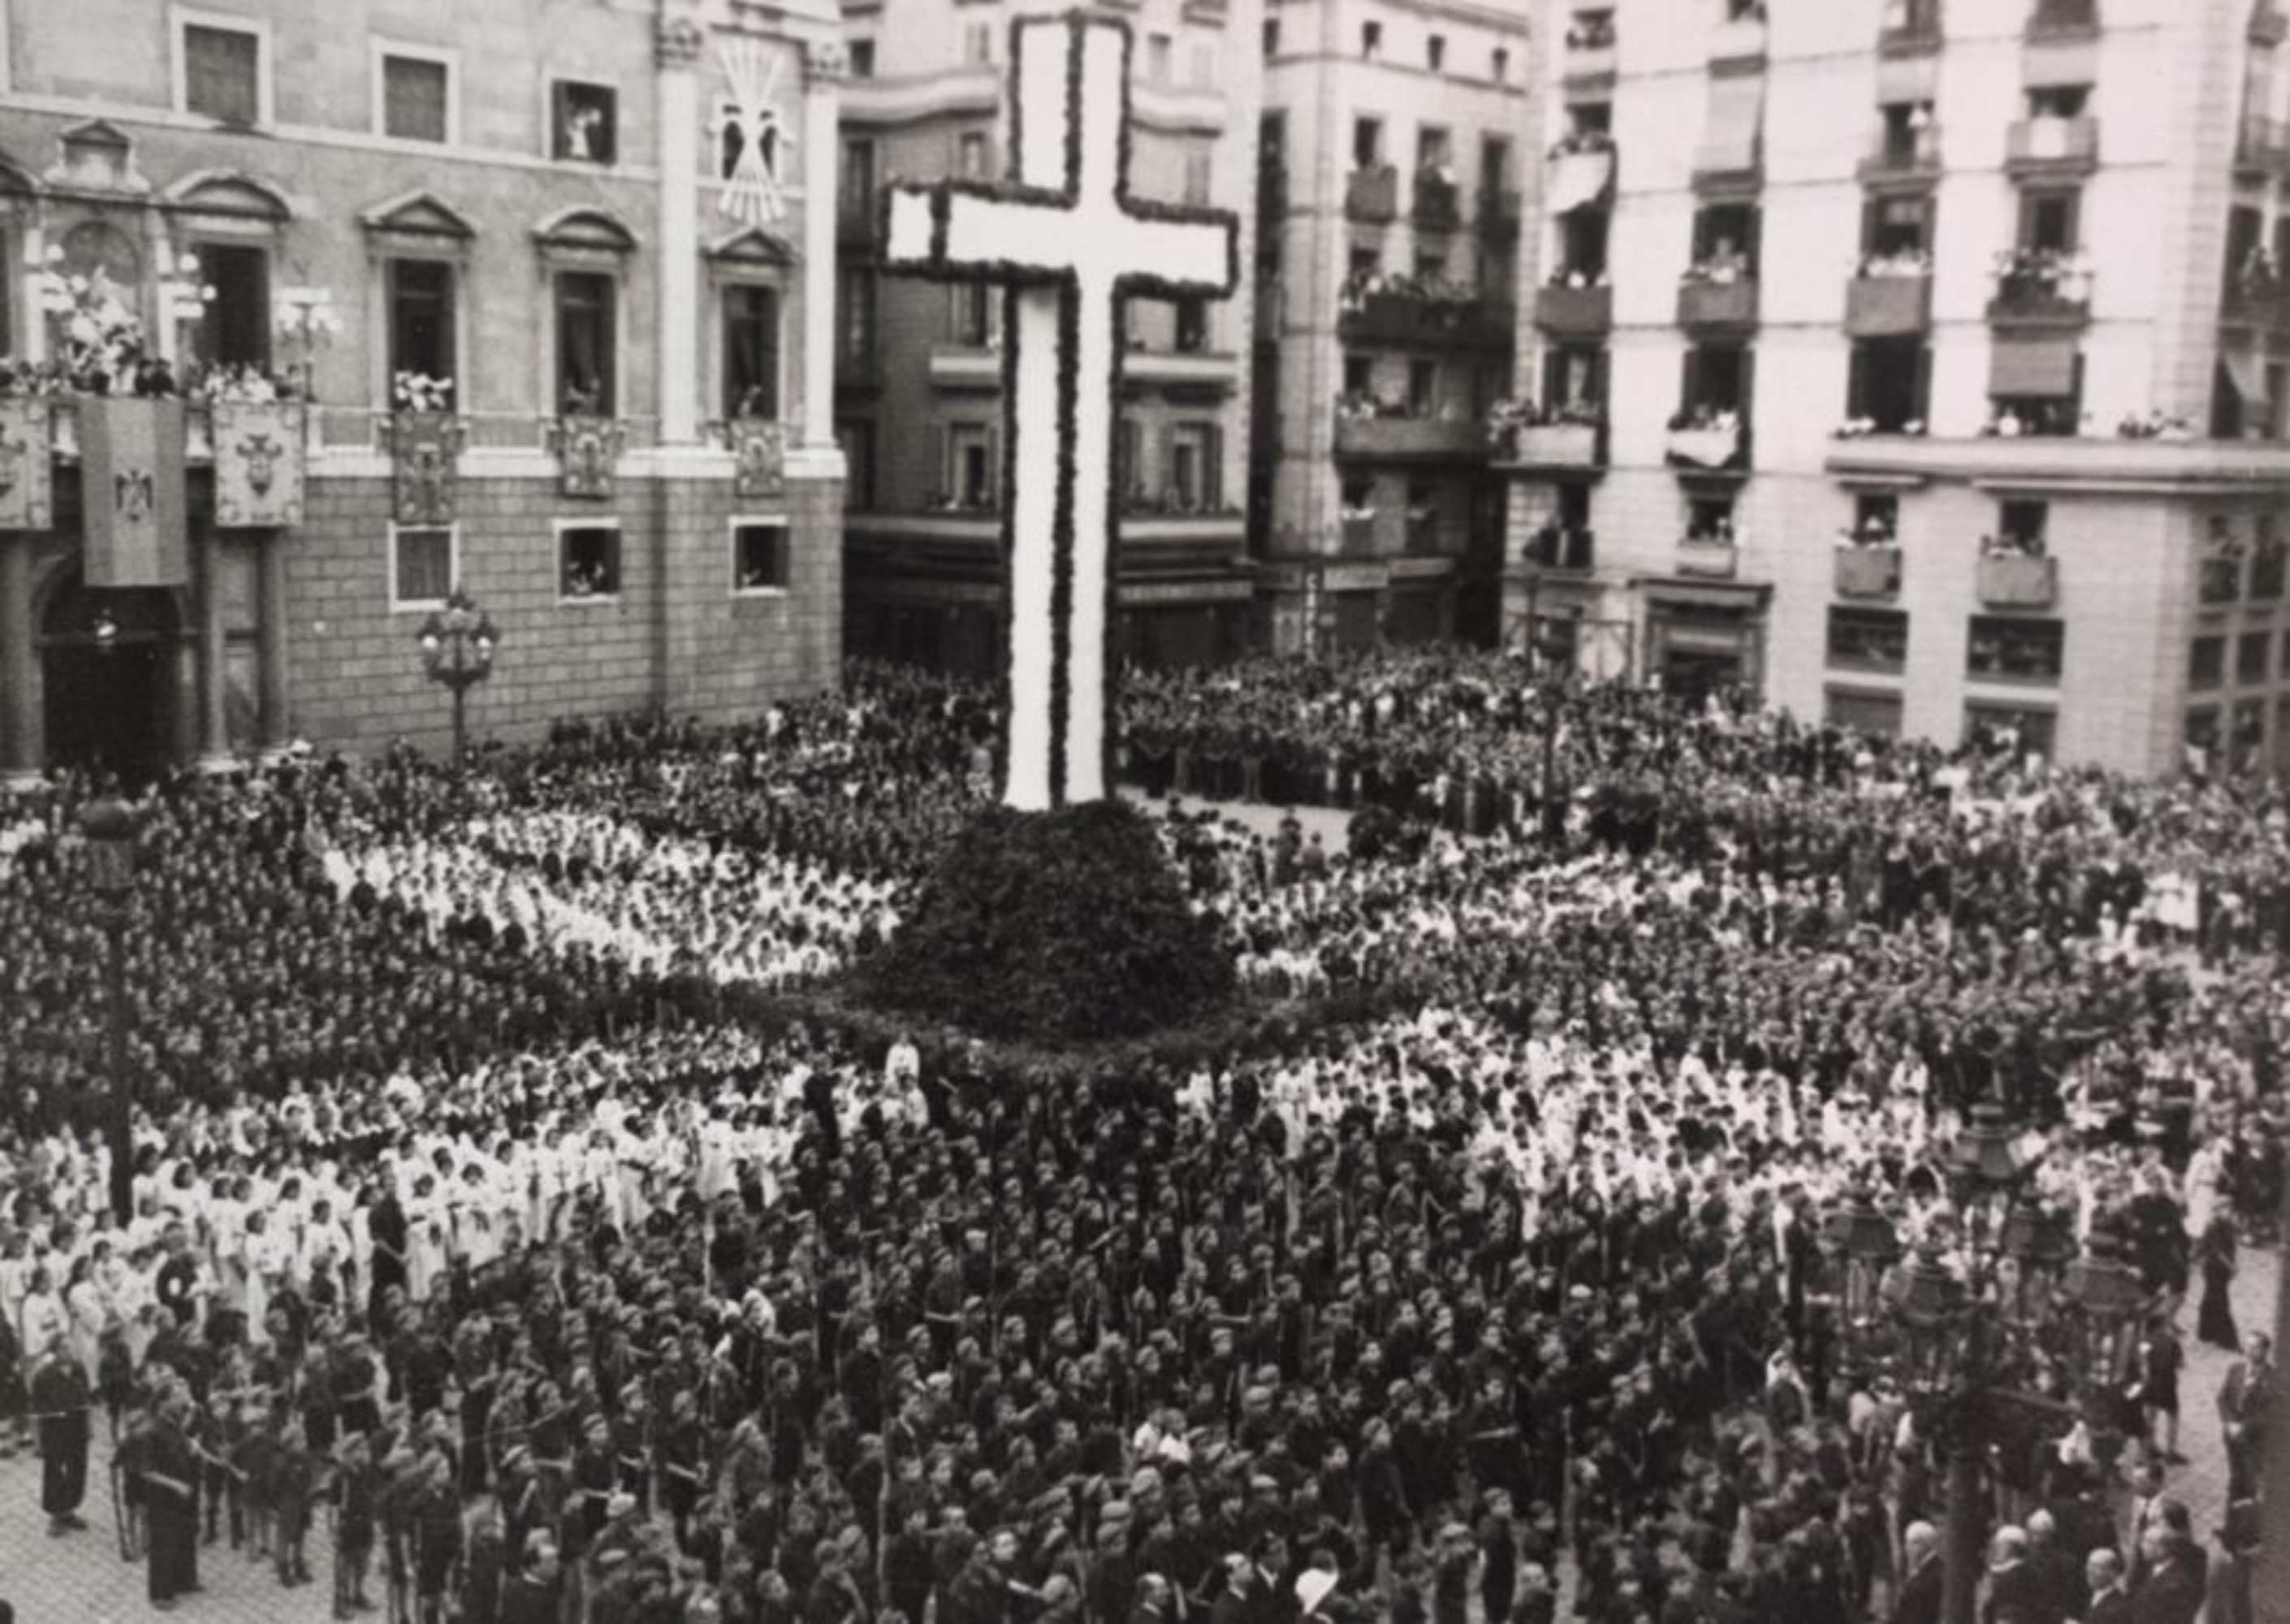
1917, 364
592, 222
918, 403
1391, 194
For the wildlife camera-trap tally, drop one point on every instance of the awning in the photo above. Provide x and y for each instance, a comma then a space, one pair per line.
2037, 368
1907, 79
1737, 108
1738, 597
2248, 375
1580, 179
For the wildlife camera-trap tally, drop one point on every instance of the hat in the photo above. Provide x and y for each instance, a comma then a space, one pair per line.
1312, 1588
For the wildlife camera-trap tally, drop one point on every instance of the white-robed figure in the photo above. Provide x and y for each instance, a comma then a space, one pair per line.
1070, 245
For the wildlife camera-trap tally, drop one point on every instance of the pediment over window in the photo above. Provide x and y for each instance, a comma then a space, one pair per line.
418, 214
97, 156
585, 231
753, 246
230, 192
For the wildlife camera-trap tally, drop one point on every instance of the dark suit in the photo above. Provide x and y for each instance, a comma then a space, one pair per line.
2171, 1595
2113, 1608
1920, 1596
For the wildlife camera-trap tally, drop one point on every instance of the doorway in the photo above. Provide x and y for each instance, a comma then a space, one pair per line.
108, 669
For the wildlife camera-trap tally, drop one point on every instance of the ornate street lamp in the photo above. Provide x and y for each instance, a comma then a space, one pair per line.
457, 652
109, 829
1971, 1316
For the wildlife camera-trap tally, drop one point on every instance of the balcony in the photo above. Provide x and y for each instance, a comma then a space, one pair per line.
1917, 34
1867, 571
1740, 40
1422, 320
1438, 204
1566, 549
966, 366
1590, 55
1552, 447
2041, 292
1704, 303
1888, 306
1707, 558
1707, 448
2258, 300
1566, 312
1197, 368
1412, 439
1500, 212
2052, 146
2063, 19
2261, 147
2013, 580
1372, 196
2068, 463
1902, 158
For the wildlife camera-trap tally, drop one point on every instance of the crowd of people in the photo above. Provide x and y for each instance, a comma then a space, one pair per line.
495, 1258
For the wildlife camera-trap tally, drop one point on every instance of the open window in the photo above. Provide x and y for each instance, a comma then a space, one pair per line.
584, 123
759, 555
1890, 382
587, 560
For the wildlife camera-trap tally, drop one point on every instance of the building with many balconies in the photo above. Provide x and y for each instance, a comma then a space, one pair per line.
593, 222
1917, 364
919, 407
1389, 205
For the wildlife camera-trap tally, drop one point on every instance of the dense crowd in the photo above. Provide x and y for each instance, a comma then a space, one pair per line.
495, 1256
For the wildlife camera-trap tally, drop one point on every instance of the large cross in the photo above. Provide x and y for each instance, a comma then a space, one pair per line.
1070, 245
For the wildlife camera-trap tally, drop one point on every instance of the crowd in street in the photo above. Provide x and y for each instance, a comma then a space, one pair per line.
493, 1259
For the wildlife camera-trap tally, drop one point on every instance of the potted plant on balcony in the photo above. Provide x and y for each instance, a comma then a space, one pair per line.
1868, 560
2041, 283
426, 438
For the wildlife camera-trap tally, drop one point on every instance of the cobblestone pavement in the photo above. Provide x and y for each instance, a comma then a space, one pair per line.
79, 1578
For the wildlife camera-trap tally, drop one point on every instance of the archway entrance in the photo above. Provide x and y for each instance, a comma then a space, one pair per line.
108, 669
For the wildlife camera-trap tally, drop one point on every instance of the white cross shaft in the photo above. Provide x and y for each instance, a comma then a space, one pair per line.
1071, 258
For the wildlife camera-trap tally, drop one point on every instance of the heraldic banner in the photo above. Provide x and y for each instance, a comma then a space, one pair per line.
130, 470
258, 460
27, 466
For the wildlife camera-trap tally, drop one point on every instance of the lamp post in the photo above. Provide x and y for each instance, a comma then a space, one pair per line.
457, 652
1958, 1319
109, 829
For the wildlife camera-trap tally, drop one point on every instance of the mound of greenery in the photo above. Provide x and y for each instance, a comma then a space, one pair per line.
1061, 927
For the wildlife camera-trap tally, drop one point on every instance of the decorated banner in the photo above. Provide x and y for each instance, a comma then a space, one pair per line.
130, 471
27, 464
425, 450
587, 452
760, 445
258, 463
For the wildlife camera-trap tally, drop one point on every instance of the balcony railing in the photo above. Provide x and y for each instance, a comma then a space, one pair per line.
2263, 146
2062, 19
2041, 291
1372, 196
2052, 145
1438, 204
1740, 40
1402, 318
1705, 303
1412, 438
2015, 580
1551, 446
1903, 155
1710, 558
1867, 571
1571, 549
1574, 313
1709, 448
1887, 307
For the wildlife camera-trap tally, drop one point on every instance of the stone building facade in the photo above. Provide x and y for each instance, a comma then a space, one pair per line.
919, 401
596, 220
1917, 363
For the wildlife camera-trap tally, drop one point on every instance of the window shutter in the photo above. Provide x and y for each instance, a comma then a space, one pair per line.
1748, 405
1594, 380
1689, 379
1213, 475
1856, 382
1872, 221
1924, 383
